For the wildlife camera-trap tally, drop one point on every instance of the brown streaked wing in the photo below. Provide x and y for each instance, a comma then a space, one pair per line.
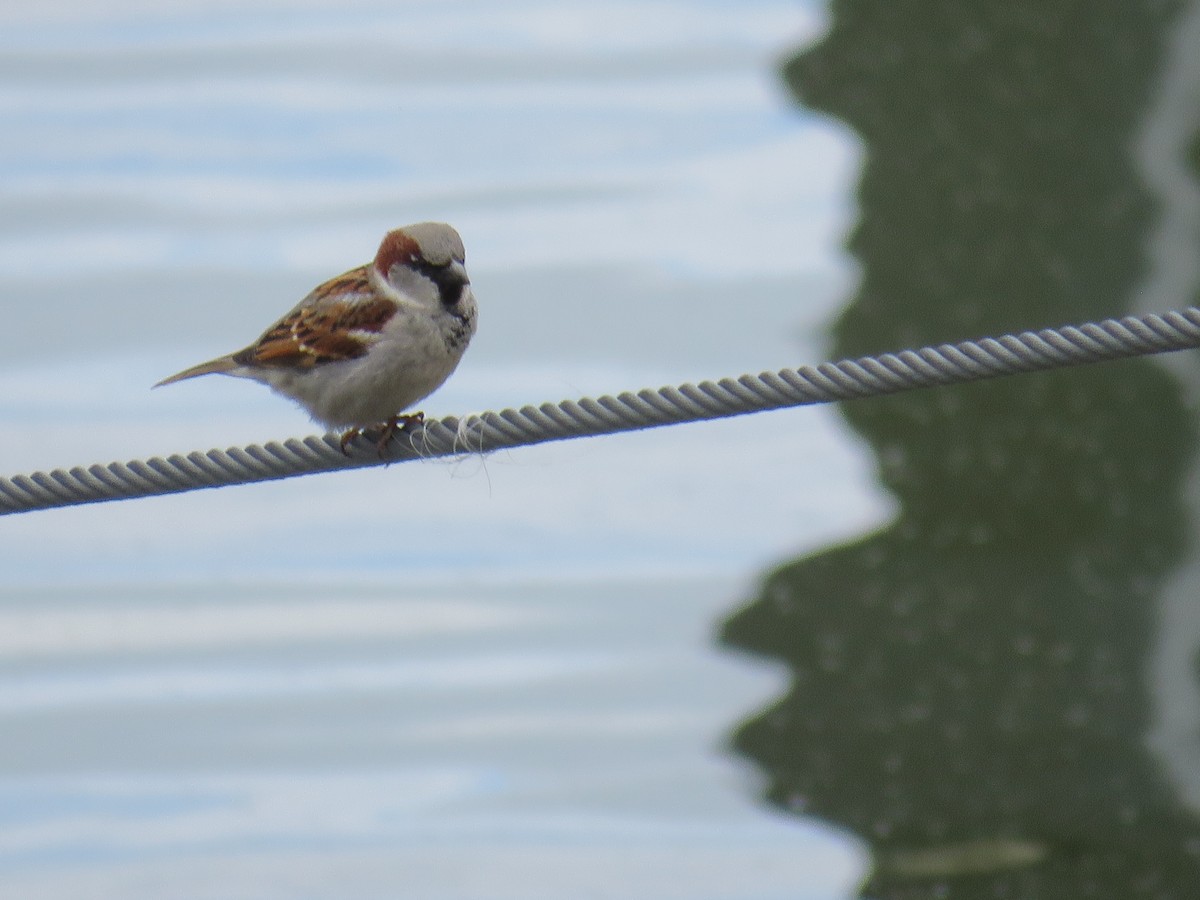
354, 282
326, 331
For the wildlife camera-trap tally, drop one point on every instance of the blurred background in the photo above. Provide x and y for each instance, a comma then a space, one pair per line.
937, 645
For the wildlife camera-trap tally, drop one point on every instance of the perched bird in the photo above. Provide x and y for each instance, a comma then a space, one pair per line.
365, 346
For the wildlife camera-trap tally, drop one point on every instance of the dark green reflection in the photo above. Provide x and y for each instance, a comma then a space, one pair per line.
970, 690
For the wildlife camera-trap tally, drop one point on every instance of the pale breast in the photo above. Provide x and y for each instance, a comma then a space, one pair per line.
411, 358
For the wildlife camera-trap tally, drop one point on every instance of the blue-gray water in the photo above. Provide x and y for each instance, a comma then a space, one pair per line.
940, 644
486, 678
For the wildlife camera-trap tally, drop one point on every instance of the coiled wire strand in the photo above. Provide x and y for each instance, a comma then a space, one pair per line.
889, 373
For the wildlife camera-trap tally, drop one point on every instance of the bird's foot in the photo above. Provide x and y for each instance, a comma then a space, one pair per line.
387, 431
397, 424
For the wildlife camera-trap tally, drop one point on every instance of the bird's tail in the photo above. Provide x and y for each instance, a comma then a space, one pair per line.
223, 364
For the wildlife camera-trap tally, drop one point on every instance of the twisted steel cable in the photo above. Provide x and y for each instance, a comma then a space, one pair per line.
868, 376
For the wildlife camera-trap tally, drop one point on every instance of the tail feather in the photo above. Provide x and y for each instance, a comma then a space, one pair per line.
220, 365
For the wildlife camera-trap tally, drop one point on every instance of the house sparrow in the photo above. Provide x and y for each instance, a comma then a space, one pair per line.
367, 345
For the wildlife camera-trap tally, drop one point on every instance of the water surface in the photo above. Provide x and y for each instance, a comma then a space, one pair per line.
480, 678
